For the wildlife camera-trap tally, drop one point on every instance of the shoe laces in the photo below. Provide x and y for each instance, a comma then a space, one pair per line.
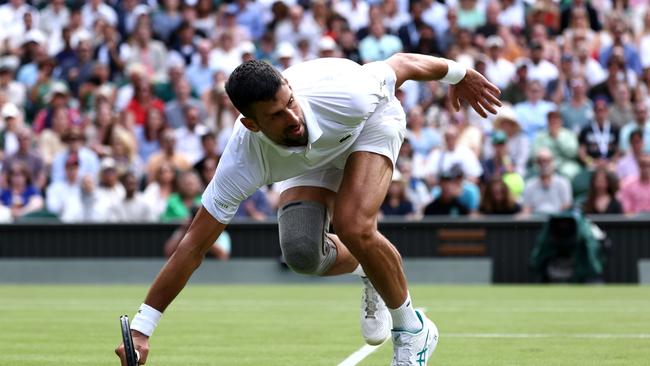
370, 299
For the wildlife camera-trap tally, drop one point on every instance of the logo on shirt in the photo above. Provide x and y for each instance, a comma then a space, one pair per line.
221, 204
345, 138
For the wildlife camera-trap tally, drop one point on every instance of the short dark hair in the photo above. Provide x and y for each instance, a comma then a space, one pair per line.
251, 82
636, 133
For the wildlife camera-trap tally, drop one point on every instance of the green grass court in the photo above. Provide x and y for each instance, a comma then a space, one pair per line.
318, 325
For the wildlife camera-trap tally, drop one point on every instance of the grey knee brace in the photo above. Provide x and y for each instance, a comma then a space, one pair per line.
306, 248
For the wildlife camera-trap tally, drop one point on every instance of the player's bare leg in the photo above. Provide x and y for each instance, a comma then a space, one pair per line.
365, 184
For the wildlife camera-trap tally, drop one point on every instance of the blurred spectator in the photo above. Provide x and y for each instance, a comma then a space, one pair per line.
256, 207
208, 148
620, 112
598, 140
15, 91
206, 169
635, 191
539, 68
470, 14
441, 160
133, 207
497, 199
226, 56
188, 136
512, 14
578, 111
88, 160
628, 165
562, 143
284, 55
499, 70
499, 163
29, 156
21, 196
640, 122
179, 204
298, 26
169, 154
643, 40
601, 198
58, 192
492, 24
183, 44
13, 122
109, 189
586, 66
378, 45
616, 73
469, 195
95, 9
79, 68
148, 135
547, 193
166, 19
50, 140
174, 110
515, 91
220, 249
423, 138
57, 97
143, 99
619, 40
531, 114
517, 143
355, 11
145, 50
199, 72
448, 202
396, 202
227, 22
162, 185
124, 152
569, 11
559, 90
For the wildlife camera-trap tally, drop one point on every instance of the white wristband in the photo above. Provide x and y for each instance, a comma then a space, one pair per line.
455, 72
146, 320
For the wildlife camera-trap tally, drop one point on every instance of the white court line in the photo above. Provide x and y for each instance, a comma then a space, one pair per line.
365, 351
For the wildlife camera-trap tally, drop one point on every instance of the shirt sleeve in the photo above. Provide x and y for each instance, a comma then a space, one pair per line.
237, 177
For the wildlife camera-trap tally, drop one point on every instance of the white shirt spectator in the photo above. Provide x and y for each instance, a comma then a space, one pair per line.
544, 71
355, 11
546, 200
441, 161
58, 193
188, 142
226, 61
513, 16
135, 209
90, 14
11, 16
499, 72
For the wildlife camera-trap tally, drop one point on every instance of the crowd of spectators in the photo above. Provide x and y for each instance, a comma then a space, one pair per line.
117, 111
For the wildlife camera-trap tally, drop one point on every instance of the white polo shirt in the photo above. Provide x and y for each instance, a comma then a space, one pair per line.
336, 95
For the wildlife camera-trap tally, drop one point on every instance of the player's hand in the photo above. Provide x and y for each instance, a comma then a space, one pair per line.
481, 94
141, 344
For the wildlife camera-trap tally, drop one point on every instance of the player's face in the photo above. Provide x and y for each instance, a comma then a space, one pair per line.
280, 119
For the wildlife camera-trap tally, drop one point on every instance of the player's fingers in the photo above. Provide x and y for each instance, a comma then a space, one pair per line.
493, 89
477, 107
142, 355
119, 351
455, 103
487, 106
492, 99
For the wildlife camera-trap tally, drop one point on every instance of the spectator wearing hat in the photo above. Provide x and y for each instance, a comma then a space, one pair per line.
531, 114
448, 201
15, 91
628, 165
517, 144
378, 45
12, 120
641, 121
56, 98
58, 192
548, 192
133, 207
396, 202
109, 189
327, 47
578, 111
167, 153
29, 156
499, 163
21, 196
515, 92
599, 140
497, 69
562, 143
88, 160
284, 55
635, 191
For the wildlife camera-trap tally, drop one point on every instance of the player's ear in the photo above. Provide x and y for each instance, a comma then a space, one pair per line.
250, 124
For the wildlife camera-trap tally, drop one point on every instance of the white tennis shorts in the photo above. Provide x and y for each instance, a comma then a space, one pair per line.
383, 134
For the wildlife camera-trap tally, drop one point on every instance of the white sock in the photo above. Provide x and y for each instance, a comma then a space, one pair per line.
359, 271
404, 317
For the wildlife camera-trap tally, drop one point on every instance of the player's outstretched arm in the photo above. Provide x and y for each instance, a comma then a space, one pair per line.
467, 84
171, 279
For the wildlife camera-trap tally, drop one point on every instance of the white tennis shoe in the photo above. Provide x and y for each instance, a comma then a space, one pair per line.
414, 349
376, 321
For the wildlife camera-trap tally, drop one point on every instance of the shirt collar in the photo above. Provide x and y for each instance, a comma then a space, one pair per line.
313, 129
